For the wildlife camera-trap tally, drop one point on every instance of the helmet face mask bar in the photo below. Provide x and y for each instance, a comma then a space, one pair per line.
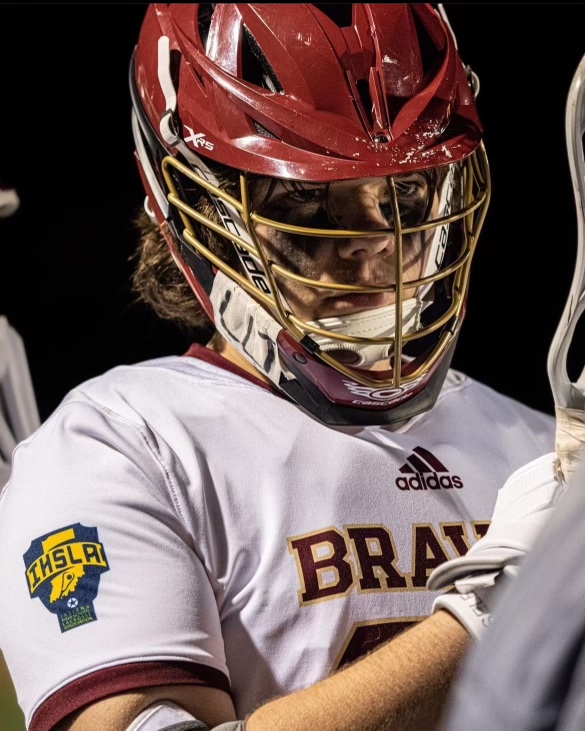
277, 275
351, 342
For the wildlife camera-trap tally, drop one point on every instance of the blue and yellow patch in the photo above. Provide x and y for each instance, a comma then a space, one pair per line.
63, 570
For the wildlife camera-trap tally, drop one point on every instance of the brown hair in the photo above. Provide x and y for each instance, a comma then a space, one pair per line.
158, 281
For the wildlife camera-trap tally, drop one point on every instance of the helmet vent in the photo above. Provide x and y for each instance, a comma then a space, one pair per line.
204, 16
340, 13
263, 131
255, 67
430, 55
367, 105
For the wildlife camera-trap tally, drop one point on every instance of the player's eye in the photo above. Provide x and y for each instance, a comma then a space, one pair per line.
406, 189
304, 195
411, 187
412, 193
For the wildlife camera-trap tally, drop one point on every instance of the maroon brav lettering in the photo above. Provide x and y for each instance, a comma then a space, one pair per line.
480, 528
456, 534
384, 560
428, 554
310, 567
376, 568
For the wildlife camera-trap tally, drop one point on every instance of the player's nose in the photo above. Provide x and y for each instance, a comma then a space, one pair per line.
364, 208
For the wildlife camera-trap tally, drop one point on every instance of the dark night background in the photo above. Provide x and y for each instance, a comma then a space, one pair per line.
66, 145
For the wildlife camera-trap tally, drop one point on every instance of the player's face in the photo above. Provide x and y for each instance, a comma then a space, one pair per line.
362, 204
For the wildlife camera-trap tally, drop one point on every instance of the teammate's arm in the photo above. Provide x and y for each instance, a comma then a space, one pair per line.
399, 687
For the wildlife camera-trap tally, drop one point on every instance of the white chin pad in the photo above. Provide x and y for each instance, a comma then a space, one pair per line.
379, 323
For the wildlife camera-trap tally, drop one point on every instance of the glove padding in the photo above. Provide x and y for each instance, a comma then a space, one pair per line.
522, 508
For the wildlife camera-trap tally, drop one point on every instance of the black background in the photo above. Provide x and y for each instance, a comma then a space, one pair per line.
66, 145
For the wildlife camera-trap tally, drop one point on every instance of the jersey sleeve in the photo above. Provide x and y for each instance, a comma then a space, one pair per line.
103, 589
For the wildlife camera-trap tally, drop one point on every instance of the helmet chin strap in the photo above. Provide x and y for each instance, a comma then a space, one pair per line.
246, 325
253, 331
379, 323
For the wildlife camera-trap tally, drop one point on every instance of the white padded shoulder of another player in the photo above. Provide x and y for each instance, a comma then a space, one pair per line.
168, 716
522, 508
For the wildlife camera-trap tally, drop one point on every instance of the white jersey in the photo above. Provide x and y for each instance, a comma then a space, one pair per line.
177, 522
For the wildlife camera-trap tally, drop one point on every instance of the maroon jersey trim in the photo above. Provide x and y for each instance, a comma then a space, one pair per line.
120, 679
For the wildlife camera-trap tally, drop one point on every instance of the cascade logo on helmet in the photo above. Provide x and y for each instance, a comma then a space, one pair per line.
379, 394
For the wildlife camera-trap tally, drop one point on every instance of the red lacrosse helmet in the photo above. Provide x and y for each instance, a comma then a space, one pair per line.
312, 98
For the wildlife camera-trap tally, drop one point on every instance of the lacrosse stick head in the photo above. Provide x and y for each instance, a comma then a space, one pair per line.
568, 394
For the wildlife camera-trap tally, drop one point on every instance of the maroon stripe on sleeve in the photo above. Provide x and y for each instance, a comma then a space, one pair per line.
121, 679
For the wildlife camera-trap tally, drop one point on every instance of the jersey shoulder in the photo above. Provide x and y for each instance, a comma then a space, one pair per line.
462, 391
178, 383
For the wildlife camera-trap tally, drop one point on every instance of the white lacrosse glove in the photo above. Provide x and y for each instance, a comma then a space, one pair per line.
522, 508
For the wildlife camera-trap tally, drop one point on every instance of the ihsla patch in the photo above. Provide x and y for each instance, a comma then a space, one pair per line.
63, 570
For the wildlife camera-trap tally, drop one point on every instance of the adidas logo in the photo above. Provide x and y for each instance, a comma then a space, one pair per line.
423, 471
